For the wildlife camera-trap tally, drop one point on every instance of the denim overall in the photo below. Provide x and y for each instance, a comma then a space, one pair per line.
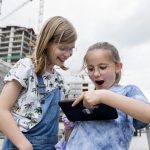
44, 135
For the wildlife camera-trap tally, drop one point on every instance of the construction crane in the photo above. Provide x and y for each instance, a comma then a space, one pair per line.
0, 6
41, 14
16, 9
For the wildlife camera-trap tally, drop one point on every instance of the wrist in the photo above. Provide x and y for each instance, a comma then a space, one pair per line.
103, 96
26, 145
108, 97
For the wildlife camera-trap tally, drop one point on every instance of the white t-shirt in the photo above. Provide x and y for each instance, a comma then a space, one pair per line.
27, 110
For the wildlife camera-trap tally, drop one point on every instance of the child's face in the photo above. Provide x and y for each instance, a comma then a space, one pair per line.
101, 68
57, 54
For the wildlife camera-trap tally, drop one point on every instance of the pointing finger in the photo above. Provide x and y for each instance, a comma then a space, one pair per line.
80, 98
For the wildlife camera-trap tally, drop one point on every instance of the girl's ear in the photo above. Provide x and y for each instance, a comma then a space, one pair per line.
118, 67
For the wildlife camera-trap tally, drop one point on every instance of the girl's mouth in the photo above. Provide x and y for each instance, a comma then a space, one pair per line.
61, 60
100, 82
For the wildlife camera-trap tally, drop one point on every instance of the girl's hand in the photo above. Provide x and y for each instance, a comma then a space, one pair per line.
90, 98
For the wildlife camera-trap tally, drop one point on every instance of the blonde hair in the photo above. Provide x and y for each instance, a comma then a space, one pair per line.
109, 47
57, 30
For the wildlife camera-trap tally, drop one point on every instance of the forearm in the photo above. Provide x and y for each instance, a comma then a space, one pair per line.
10, 129
67, 134
132, 107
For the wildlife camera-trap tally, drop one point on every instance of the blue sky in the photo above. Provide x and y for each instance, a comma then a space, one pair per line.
125, 24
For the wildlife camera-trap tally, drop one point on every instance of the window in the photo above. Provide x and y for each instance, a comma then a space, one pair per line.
85, 84
84, 90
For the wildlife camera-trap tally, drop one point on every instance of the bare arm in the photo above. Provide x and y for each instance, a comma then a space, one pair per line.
68, 127
67, 134
8, 126
138, 110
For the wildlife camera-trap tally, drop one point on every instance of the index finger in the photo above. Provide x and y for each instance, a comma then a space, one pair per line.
80, 98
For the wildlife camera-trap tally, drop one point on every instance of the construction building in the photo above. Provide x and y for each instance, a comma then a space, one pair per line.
16, 43
4, 68
76, 85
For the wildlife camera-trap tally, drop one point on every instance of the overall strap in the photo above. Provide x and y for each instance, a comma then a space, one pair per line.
41, 87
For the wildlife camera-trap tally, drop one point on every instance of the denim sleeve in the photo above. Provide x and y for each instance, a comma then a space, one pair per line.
136, 93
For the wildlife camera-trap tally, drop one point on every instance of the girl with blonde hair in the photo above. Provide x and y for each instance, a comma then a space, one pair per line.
29, 100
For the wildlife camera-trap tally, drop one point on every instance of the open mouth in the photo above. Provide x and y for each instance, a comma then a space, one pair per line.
100, 82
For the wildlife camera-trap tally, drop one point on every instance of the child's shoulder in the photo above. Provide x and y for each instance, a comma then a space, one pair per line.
132, 89
25, 63
131, 86
26, 60
125, 88
23, 66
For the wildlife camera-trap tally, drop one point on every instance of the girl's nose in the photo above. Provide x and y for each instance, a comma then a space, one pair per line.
96, 73
67, 54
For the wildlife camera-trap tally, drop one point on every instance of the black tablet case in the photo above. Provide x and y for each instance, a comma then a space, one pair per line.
80, 113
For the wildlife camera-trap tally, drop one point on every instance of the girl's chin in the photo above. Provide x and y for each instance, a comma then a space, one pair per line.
98, 88
60, 63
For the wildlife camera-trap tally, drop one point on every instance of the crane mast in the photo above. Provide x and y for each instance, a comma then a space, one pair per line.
41, 14
16, 9
0, 6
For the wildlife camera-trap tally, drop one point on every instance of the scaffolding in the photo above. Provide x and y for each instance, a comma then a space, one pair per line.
16, 43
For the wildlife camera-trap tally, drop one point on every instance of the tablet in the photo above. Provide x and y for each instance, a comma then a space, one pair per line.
80, 113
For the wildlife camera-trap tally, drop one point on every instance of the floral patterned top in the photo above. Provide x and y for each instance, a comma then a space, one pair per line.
27, 110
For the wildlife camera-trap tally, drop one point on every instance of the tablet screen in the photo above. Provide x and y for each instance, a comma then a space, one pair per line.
80, 113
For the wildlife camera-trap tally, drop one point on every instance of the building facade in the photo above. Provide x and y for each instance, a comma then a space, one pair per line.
16, 42
4, 68
77, 84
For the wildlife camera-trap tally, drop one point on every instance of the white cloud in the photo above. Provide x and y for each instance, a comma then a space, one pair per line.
137, 65
123, 23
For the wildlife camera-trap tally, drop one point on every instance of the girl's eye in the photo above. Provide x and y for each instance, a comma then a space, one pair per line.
62, 48
103, 67
90, 69
71, 49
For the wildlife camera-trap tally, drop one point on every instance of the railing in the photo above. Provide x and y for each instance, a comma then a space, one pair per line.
148, 135
1, 135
